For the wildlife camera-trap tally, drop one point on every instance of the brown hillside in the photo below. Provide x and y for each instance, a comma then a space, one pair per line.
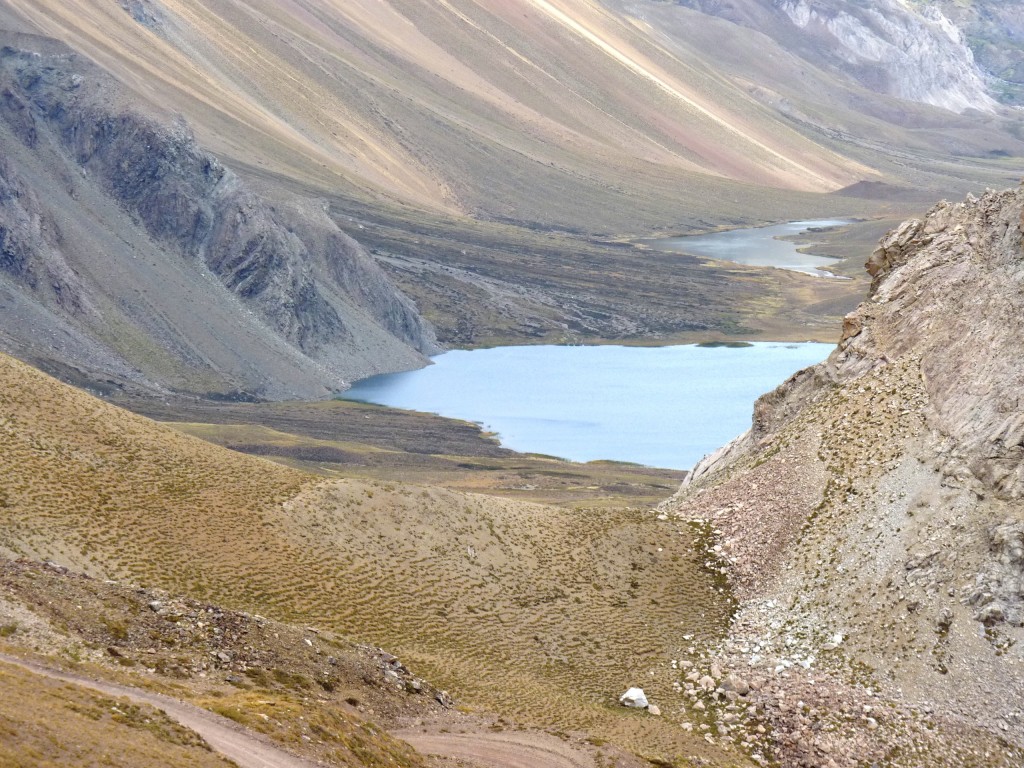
541, 614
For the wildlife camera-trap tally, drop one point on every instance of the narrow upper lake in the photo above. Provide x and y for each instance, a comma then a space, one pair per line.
660, 406
758, 246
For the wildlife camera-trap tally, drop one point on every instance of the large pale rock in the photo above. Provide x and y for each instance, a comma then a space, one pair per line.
635, 698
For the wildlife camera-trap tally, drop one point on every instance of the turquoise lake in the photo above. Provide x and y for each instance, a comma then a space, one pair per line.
659, 406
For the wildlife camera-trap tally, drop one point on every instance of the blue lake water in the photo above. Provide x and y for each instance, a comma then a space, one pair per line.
756, 246
660, 406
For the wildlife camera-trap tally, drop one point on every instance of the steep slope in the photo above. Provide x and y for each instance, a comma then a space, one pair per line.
129, 252
912, 51
577, 114
425, 101
872, 514
879, 81
993, 31
483, 151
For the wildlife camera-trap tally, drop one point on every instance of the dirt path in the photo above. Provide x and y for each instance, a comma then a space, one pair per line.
224, 736
498, 750
248, 750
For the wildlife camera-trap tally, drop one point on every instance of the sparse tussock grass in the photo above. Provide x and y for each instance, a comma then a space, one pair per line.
40, 717
542, 614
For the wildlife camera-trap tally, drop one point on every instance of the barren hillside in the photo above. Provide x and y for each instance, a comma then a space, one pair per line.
872, 515
576, 113
130, 254
494, 159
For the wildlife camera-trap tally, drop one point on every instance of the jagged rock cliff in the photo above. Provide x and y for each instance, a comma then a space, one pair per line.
871, 519
993, 29
913, 51
128, 252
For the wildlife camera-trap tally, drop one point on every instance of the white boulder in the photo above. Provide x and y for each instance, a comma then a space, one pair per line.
634, 697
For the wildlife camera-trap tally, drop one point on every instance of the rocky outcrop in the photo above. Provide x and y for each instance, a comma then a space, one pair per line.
871, 518
993, 29
920, 52
998, 591
946, 288
916, 54
302, 310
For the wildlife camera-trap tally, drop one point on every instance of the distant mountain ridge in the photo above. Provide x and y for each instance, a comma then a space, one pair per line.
495, 158
911, 50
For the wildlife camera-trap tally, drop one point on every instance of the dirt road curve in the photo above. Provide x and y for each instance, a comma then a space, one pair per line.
224, 736
248, 750
499, 750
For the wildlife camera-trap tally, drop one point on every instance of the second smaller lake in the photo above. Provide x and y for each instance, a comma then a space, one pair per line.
756, 246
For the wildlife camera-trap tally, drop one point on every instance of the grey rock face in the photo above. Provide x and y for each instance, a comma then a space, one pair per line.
993, 30
145, 12
947, 287
998, 594
948, 54
917, 54
297, 308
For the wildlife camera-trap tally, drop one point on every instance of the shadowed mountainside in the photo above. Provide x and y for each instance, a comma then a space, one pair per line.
128, 252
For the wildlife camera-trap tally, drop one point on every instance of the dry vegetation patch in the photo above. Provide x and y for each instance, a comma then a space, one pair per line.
46, 723
541, 614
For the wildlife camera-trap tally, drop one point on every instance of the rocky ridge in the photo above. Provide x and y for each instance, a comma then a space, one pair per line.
113, 216
870, 521
918, 52
993, 30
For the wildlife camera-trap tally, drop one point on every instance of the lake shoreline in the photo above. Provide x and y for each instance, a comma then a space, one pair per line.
770, 245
